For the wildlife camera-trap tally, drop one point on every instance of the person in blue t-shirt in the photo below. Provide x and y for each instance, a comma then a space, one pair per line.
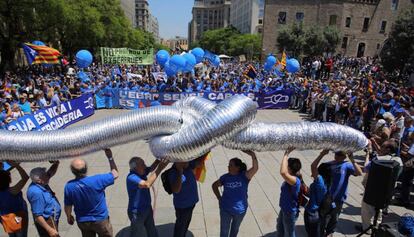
45, 207
185, 195
317, 191
138, 183
86, 194
155, 102
24, 105
12, 198
233, 203
289, 195
341, 170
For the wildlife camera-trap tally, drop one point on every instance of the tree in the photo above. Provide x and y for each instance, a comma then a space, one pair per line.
245, 44
218, 40
332, 38
315, 41
398, 51
292, 39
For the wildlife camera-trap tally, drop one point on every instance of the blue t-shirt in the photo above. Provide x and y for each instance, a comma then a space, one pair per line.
139, 198
188, 196
87, 195
25, 107
43, 202
155, 103
234, 199
289, 197
317, 192
340, 173
11, 203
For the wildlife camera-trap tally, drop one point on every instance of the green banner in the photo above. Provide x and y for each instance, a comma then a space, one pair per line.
127, 56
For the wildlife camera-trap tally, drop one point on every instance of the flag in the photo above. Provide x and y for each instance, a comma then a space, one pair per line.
281, 64
37, 54
209, 56
250, 72
200, 172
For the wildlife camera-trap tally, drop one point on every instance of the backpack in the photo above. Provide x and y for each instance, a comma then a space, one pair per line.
165, 180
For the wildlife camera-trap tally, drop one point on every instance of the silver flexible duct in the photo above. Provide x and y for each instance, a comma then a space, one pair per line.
181, 132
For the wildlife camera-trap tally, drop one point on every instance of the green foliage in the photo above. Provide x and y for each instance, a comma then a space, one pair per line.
230, 41
67, 25
312, 41
398, 52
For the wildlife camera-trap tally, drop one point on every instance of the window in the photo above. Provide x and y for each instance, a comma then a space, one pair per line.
366, 24
282, 18
299, 16
344, 42
378, 46
348, 22
361, 50
394, 5
260, 21
332, 19
383, 26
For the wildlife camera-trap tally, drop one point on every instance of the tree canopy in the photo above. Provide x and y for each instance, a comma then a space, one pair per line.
66, 25
311, 41
231, 42
398, 51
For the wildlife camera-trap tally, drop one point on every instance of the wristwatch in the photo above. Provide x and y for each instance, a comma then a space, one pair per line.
110, 158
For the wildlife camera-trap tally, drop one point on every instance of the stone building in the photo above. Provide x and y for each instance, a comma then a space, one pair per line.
364, 24
247, 15
208, 15
142, 14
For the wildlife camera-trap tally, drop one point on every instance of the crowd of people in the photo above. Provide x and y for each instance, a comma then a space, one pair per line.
349, 91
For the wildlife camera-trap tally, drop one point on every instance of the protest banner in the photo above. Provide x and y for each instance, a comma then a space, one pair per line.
127, 56
50, 119
130, 99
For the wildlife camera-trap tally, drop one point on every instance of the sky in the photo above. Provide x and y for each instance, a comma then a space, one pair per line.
173, 16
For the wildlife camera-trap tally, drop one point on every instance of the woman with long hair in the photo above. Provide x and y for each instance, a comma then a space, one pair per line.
233, 203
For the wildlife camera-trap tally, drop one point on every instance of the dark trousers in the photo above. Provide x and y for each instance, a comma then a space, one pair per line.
319, 108
183, 220
330, 114
407, 178
313, 223
142, 223
91, 229
332, 218
41, 231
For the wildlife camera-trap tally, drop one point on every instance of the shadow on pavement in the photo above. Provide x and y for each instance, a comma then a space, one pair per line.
163, 230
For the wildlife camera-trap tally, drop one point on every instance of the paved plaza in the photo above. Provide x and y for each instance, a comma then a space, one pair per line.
264, 189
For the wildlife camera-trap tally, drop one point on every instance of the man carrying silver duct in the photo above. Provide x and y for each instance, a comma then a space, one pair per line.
86, 194
139, 181
44, 204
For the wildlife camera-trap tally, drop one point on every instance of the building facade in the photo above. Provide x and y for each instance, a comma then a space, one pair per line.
208, 15
364, 24
142, 14
153, 28
247, 15
178, 42
128, 6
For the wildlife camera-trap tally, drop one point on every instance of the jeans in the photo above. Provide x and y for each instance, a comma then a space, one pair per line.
230, 223
286, 224
142, 222
183, 220
313, 223
333, 217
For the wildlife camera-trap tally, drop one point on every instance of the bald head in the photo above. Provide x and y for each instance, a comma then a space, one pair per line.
79, 167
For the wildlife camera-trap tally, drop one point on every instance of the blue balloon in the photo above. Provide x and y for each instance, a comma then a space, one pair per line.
216, 61
271, 60
190, 62
38, 42
268, 67
177, 63
198, 54
83, 58
168, 70
292, 65
162, 57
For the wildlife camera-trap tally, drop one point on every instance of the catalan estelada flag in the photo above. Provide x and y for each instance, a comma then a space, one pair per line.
282, 62
250, 72
200, 172
38, 54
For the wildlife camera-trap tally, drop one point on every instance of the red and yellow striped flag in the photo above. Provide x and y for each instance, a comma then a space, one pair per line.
44, 54
200, 172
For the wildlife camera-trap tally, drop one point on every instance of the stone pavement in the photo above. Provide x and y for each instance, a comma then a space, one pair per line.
264, 189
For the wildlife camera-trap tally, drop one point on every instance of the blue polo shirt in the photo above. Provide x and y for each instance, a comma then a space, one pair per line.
188, 196
87, 195
25, 107
340, 172
11, 203
139, 198
43, 202
289, 197
234, 199
317, 192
